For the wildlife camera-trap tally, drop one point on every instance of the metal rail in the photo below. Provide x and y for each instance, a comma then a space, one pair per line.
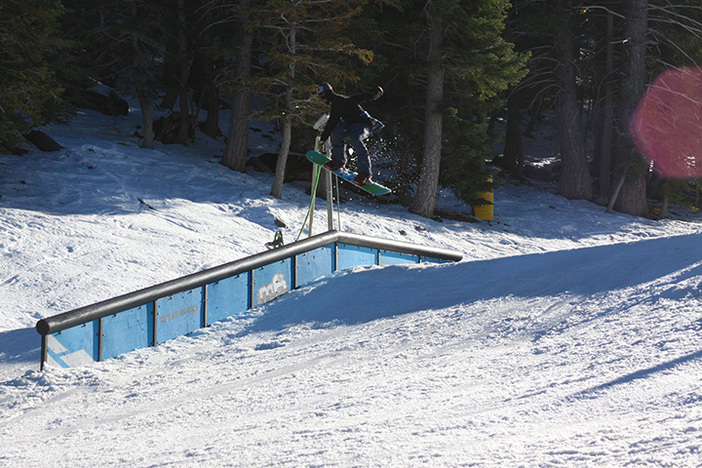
137, 298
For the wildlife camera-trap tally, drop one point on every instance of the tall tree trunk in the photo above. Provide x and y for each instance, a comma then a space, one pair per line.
143, 97
286, 138
425, 199
604, 89
277, 189
535, 112
148, 121
574, 181
237, 148
606, 136
210, 126
632, 197
513, 156
184, 126
170, 74
207, 95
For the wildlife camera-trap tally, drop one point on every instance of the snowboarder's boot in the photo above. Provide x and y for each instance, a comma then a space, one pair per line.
334, 165
362, 179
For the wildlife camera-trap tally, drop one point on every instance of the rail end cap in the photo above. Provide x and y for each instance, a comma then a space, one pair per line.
42, 327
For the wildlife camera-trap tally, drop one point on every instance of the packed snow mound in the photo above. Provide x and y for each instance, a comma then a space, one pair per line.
436, 366
566, 336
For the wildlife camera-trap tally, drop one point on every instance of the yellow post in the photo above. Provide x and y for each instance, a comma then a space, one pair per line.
485, 212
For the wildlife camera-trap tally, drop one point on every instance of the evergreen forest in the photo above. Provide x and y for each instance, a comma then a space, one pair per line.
451, 70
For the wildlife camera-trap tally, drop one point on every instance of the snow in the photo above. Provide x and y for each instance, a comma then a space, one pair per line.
565, 337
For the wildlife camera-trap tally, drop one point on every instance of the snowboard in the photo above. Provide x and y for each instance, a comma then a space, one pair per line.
348, 175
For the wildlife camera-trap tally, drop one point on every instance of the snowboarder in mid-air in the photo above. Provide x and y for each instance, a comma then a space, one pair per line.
348, 120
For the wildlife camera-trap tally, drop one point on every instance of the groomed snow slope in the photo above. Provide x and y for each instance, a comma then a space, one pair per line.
566, 336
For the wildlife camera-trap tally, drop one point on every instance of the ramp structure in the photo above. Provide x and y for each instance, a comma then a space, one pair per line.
165, 311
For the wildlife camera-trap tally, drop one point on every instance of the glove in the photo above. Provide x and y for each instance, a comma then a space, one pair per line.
378, 92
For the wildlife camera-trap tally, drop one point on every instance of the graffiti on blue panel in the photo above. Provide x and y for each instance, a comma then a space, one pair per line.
179, 313
275, 288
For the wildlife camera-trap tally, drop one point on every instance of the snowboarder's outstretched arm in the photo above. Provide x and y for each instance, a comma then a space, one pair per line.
369, 96
349, 109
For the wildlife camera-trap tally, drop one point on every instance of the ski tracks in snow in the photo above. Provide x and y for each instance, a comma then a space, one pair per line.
408, 389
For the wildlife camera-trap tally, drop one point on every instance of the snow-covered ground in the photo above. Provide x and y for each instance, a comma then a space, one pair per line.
566, 336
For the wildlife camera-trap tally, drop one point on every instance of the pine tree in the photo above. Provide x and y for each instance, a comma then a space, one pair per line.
481, 65
615, 51
603, 94
675, 30
123, 42
447, 60
631, 166
574, 181
239, 90
28, 87
302, 42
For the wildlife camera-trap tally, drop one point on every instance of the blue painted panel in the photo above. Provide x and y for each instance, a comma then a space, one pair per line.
75, 346
184, 312
271, 281
228, 297
352, 255
435, 260
179, 314
396, 258
315, 264
128, 330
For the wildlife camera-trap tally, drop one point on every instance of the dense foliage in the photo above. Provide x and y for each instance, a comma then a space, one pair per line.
28, 87
451, 69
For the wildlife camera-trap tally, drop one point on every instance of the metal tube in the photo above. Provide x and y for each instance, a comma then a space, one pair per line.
252, 288
399, 247
204, 305
294, 272
313, 194
330, 201
335, 266
100, 335
338, 204
152, 294
154, 342
43, 352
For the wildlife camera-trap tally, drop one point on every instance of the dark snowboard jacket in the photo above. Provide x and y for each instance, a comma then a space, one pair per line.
348, 109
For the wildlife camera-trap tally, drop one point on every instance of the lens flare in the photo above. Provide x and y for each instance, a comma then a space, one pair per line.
667, 124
